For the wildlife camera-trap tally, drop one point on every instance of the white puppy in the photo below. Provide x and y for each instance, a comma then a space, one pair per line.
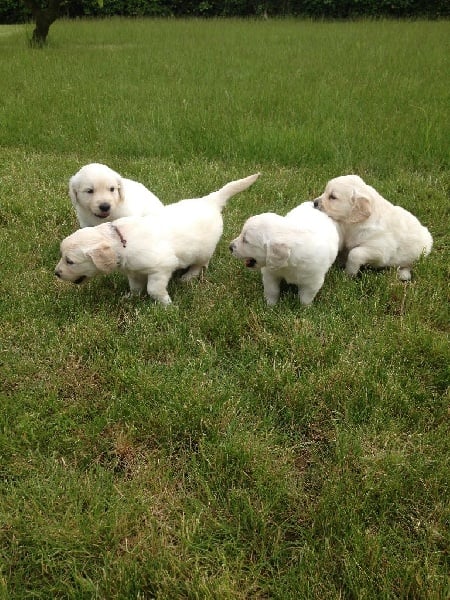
100, 194
148, 250
299, 248
375, 232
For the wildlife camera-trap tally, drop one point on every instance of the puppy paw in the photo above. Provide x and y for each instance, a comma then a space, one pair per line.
404, 274
191, 273
127, 296
165, 301
306, 302
188, 276
351, 270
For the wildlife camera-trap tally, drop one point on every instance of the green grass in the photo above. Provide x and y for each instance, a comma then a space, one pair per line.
220, 449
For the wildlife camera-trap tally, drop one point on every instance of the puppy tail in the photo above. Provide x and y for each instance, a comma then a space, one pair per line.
428, 242
221, 197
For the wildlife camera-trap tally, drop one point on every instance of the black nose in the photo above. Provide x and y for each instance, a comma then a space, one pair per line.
231, 247
104, 206
58, 274
316, 203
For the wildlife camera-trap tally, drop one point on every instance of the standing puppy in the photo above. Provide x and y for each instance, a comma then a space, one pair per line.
149, 249
374, 231
299, 248
100, 194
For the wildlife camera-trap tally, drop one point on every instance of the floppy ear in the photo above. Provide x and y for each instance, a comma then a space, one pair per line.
360, 209
73, 189
277, 255
120, 188
104, 258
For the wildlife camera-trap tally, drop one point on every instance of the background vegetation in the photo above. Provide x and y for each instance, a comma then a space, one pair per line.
14, 11
218, 448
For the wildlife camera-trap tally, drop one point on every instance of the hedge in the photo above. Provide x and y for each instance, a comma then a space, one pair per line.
14, 11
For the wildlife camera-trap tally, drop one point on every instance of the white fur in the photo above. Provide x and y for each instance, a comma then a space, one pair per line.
374, 231
149, 249
298, 248
100, 194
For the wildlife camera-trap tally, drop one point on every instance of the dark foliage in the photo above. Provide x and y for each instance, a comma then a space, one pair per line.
16, 11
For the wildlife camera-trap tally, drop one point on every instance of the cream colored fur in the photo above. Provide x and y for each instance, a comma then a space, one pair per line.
298, 248
374, 231
100, 194
149, 249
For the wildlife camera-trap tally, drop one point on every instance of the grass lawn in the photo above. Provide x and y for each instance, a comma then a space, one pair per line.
220, 449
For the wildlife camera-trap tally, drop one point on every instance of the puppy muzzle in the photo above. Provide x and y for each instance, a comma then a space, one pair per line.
58, 274
104, 210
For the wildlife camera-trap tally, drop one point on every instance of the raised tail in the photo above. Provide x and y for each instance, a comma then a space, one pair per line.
428, 242
230, 189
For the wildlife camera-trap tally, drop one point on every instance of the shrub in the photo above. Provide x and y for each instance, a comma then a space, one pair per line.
14, 11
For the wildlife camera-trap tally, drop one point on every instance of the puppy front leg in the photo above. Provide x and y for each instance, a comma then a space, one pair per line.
271, 287
157, 287
137, 283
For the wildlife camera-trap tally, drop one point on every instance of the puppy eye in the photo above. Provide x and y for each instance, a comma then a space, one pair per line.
332, 197
90, 191
111, 189
69, 262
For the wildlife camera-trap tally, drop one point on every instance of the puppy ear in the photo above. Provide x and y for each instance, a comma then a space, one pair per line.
361, 209
73, 189
104, 258
120, 188
277, 255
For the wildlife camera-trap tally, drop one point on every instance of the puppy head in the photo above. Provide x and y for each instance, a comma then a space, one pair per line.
346, 199
257, 245
97, 189
84, 254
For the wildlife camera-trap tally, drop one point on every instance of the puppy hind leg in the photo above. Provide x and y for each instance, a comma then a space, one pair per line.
306, 294
193, 271
157, 287
137, 283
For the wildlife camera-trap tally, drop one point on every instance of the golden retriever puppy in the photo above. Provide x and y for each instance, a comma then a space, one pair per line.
298, 248
100, 194
374, 231
149, 249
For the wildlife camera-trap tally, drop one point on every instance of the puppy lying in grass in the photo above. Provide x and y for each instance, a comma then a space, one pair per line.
299, 248
374, 231
149, 249
100, 194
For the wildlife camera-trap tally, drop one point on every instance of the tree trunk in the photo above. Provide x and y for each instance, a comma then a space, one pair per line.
43, 18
